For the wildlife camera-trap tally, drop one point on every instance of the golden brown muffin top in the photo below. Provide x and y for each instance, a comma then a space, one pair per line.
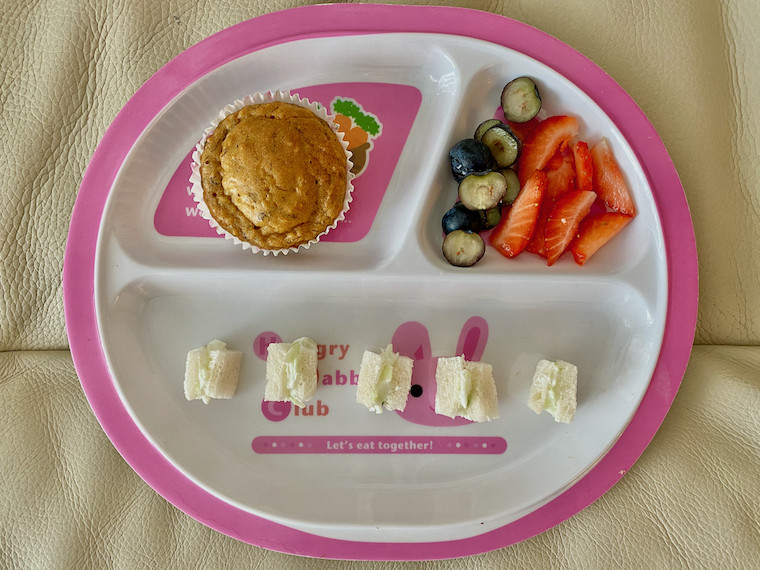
274, 175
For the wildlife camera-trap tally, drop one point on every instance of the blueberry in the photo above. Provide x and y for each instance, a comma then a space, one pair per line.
460, 218
469, 156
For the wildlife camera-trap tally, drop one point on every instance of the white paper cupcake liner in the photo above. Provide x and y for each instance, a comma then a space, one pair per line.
268, 97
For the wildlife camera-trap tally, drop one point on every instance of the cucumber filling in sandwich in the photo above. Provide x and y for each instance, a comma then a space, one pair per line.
291, 372
554, 389
465, 389
292, 365
212, 371
383, 386
384, 380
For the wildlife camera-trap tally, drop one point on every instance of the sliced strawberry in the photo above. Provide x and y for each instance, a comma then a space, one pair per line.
516, 228
561, 176
608, 180
537, 241
563, 222
522, 130
560, 173
584, 169
540, 145
555, 162
596, 230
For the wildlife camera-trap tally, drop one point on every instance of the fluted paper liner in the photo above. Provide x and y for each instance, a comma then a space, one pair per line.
235, 106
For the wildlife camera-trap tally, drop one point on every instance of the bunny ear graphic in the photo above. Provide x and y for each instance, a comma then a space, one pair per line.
412, 339
473, 338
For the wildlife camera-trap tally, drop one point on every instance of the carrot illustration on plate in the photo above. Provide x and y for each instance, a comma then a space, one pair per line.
359, 128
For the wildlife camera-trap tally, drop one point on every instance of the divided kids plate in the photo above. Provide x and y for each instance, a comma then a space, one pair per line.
146, 280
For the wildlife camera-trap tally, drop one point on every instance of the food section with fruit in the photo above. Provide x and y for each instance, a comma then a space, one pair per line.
533, 184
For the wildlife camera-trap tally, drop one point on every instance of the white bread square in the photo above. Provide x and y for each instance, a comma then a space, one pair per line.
369, 375
560, 376
223, 372
306, 386
484, 404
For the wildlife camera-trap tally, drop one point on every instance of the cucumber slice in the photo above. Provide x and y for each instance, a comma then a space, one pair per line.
463, 249
513, 185
503, 144
520, 100
482, 191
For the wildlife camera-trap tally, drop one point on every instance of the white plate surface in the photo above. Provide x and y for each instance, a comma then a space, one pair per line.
158, 296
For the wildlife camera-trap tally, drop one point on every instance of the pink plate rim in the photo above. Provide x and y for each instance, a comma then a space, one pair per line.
356, 19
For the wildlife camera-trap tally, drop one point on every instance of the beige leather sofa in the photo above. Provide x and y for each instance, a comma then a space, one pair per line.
69, 500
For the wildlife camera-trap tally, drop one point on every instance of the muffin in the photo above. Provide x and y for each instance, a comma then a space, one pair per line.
272, 174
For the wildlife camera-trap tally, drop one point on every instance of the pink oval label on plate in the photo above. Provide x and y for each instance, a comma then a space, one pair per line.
379, 444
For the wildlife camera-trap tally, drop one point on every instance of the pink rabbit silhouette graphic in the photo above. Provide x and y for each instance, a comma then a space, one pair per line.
412, 339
